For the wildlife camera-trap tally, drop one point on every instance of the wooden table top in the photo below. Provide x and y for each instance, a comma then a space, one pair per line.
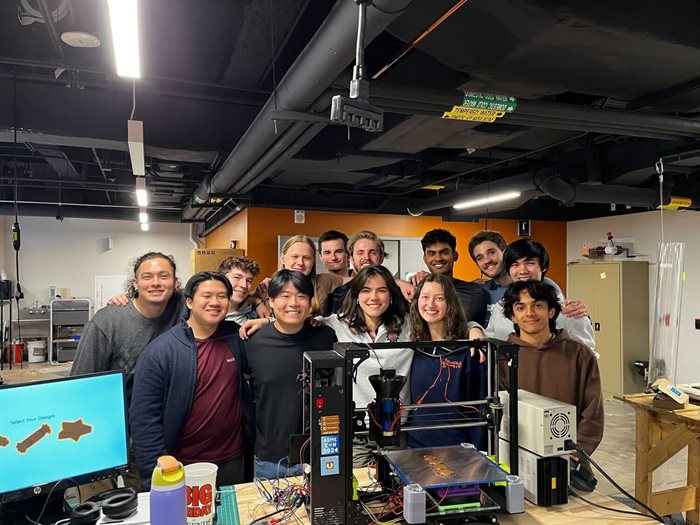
691, 414
576, 512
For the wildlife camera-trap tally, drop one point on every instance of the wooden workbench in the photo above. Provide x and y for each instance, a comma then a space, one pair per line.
661, 434
575, 512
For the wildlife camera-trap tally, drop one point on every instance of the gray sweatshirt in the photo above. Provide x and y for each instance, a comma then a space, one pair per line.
116, 335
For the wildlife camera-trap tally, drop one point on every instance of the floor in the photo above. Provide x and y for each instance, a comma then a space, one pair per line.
615, 454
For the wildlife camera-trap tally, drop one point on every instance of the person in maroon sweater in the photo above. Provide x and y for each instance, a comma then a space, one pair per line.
190, 393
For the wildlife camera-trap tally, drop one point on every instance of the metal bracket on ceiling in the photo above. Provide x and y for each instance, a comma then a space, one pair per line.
299, 116
356, 111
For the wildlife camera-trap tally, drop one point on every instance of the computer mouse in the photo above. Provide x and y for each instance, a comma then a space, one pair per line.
583, 479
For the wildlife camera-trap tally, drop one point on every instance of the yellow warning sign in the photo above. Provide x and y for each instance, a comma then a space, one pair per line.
472, 114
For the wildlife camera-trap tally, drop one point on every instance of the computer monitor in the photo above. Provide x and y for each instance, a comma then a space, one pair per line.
54, 430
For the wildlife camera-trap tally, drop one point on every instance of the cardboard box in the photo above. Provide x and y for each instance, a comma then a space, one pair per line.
204, 260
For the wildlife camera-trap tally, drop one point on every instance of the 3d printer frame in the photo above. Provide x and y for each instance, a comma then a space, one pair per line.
333, 395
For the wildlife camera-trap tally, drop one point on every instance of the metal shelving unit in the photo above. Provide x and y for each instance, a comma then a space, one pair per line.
68, 317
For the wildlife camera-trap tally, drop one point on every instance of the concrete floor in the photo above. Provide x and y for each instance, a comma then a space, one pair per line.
615, 454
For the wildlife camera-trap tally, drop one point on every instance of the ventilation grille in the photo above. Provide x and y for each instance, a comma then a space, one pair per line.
560, 425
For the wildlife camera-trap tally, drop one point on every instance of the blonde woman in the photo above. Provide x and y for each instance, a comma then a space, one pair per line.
299, 255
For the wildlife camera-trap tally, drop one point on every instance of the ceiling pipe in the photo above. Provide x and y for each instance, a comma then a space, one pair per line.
548, 184
408, 108
324, 58
570, 193
61, 210
443, 100
519, 183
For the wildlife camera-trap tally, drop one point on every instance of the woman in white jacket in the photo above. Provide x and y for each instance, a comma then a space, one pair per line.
374, 311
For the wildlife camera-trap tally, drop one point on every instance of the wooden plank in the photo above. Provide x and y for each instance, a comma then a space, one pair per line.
670, 501
693, 515
669, 446
643, 476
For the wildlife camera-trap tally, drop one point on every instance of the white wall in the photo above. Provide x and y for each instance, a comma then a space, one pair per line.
69, 254
643, 230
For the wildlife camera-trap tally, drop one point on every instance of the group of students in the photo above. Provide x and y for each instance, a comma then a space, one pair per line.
203, 390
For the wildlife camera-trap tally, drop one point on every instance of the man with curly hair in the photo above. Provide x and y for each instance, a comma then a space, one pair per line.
240, 271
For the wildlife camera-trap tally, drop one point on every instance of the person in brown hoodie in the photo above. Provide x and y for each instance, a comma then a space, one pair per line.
550, 363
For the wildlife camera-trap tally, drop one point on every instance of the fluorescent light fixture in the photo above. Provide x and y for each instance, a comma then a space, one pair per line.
143, 215
499, 197
144, 227
123, 17
135, 137
141, 193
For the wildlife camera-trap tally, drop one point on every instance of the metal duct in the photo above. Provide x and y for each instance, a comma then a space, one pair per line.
548, 184
324, 58
570, 193
520, 183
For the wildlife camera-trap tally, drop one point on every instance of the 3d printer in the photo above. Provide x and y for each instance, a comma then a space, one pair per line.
434, 484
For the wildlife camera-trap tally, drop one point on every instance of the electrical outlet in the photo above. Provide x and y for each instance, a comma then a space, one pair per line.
357, 113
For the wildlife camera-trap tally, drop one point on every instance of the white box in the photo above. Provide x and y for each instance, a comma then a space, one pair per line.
544, 424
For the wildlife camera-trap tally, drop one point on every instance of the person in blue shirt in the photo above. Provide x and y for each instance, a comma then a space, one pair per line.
438, 375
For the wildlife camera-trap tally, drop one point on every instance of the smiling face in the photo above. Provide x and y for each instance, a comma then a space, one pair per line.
334, 255
532, 316
374, 297
432, 305
489, 258
155, 281
439, 258
366, 253
241, 281
300, 257
291, 308
209, 305
526, 269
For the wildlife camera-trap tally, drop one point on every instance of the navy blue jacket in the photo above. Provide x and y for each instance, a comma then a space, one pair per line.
461, 378
164, 385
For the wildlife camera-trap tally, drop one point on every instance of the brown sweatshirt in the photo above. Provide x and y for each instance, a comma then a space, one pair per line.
567, 371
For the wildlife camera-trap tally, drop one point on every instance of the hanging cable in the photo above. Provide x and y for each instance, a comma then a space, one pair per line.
133, 98
16, 237
660, 170
272, 52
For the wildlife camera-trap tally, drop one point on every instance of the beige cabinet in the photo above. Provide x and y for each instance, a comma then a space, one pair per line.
617, 295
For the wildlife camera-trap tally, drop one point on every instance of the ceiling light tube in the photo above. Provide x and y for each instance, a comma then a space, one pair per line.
144, 227
499, 197
141, 193
123, 18
143, 215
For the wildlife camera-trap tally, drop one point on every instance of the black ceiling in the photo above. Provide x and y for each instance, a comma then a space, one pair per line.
604, 90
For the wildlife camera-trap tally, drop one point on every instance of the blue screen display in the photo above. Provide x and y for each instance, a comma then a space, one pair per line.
61, 429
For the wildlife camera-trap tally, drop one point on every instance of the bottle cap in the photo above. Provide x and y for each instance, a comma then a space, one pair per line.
168, 472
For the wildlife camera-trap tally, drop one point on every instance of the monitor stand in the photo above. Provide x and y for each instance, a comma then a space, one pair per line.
17, 512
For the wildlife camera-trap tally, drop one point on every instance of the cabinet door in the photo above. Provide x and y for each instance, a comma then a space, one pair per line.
598, 285
607, 327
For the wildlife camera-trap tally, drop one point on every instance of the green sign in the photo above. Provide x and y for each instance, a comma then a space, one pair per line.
489, 101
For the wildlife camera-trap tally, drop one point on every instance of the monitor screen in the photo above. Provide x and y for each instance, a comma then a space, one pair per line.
65, 428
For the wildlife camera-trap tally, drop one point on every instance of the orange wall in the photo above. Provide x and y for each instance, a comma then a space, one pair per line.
236, 228
265, 224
